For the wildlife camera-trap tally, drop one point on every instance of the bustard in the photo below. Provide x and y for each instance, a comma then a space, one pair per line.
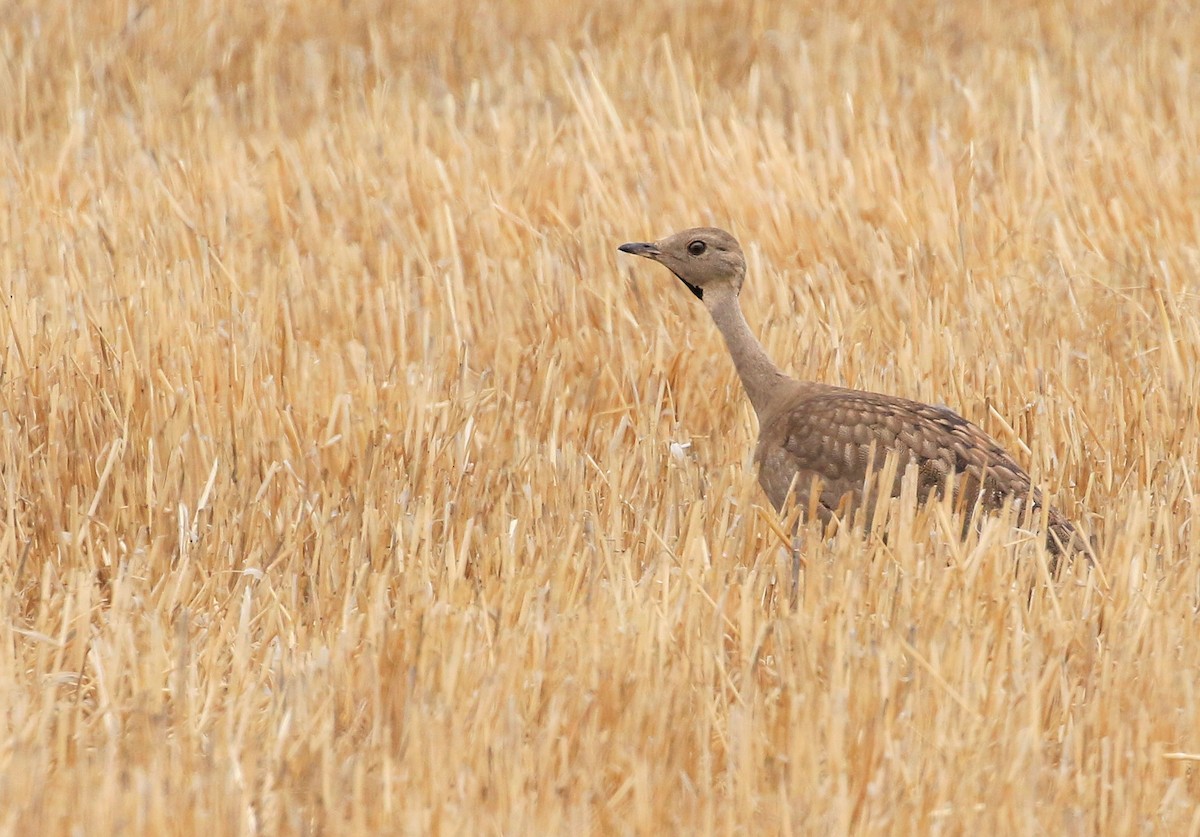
818, 442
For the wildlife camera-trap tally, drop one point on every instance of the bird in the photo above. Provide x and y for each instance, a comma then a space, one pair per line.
818, 442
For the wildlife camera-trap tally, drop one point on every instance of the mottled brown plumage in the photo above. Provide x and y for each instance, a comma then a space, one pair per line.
814, 435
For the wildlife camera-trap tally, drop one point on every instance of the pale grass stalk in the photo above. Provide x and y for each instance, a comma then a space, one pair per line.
352, 485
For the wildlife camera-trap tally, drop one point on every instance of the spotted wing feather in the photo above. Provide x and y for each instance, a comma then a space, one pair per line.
833, 436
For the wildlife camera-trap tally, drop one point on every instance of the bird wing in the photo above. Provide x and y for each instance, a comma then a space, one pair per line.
836, 435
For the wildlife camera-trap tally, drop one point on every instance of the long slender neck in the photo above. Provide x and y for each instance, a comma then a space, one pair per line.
758, 373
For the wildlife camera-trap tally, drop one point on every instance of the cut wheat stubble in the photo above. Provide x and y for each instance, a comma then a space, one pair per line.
819, 444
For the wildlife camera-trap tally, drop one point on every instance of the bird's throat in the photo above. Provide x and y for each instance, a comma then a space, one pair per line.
759, 374
699, 292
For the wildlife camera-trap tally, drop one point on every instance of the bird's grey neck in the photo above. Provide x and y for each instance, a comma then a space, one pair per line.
759, 374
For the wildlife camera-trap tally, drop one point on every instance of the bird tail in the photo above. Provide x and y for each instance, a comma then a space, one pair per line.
1064, 542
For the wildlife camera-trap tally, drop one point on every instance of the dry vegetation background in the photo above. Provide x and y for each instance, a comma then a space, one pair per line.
352, 482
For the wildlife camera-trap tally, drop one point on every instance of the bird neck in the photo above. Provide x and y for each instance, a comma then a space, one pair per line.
758, 373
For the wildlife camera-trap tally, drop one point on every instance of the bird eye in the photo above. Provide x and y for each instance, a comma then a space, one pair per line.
697, 248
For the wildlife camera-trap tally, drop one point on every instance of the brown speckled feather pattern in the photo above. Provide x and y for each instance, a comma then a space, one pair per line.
835, 434
817, 435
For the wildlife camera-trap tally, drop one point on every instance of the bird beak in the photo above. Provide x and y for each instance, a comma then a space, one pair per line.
641, 248
651, 251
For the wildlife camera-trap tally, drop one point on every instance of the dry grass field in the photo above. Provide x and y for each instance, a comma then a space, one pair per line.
353, 483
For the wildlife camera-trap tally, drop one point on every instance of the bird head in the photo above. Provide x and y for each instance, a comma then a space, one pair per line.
703, 258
